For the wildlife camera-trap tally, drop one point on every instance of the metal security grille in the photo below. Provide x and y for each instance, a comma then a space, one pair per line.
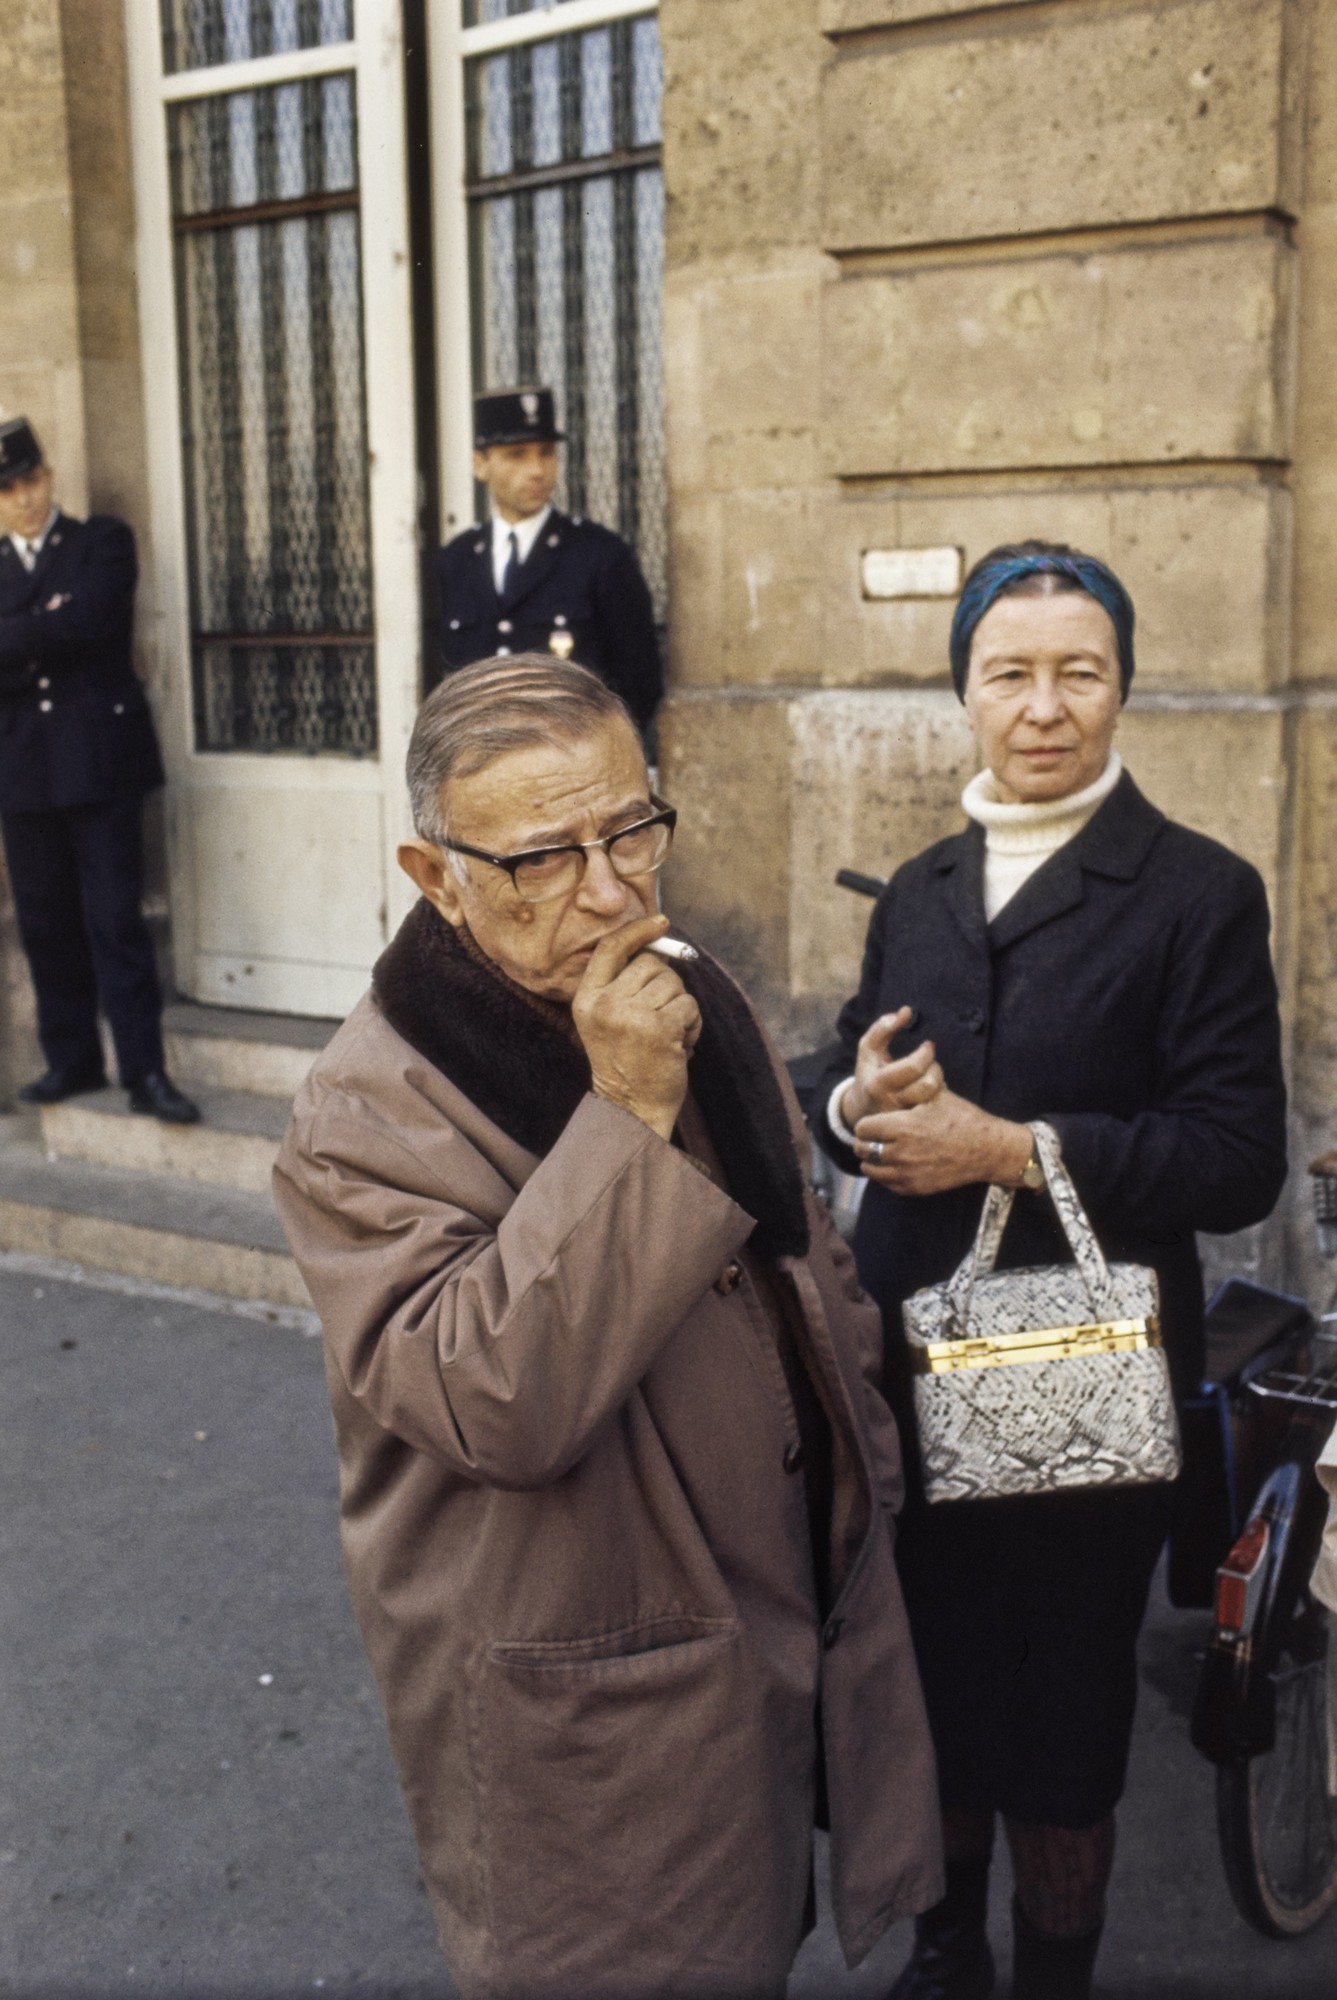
265, 208
198, 33
478, 11
567, 227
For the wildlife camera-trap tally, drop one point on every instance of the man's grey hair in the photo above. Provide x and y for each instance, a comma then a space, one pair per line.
480, 712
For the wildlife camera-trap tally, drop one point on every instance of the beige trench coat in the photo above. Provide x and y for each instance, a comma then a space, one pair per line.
580, 1566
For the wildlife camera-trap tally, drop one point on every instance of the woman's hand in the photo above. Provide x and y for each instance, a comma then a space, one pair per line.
880, 1085
946, 1142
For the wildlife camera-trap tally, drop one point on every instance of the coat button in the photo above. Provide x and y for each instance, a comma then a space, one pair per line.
503, 652
974, 1020
793, 1458
454, 624
729, 1279
45, 707
559, 619
118, 708
831, 1632
45, 681
505, 625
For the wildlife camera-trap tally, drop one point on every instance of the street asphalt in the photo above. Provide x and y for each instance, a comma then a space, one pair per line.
196, 1794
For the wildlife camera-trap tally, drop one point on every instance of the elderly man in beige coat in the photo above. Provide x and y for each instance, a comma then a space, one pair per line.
617, 1491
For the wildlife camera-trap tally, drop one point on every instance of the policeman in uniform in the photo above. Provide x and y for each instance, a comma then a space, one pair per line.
535, 580
77, 755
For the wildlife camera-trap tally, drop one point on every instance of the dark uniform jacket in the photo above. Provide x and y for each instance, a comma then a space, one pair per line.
1126, 996
75, 727
579, 578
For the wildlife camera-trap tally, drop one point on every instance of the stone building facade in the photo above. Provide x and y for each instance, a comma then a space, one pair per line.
943, 276
936, 275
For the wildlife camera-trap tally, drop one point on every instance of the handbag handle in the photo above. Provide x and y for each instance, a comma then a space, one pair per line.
982, 1256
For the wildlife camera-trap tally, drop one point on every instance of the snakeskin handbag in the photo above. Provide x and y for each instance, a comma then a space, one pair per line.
1039, 1380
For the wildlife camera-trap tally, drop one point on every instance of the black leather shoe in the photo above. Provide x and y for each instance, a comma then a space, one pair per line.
158, 1097
952, 1959
55, 1085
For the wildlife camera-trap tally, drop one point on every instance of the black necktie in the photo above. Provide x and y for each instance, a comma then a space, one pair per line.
512, 569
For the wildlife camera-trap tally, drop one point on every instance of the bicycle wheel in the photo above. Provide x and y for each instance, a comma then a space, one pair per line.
1277, 1823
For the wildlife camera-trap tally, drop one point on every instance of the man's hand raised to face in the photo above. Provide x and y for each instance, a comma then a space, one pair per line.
638, 1024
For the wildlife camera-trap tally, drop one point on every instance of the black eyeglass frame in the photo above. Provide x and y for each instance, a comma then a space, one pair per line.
666, 816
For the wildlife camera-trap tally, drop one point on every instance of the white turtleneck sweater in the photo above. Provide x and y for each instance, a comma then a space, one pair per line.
1018, 839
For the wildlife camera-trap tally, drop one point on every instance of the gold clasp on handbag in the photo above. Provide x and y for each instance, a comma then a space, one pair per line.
1050, 1343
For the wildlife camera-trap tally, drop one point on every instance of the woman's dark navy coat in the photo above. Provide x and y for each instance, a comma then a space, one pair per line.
1126, 996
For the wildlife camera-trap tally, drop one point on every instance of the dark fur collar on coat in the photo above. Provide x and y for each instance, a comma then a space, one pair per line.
527, 1076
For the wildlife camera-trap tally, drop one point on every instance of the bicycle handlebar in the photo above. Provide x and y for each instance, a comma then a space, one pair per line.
862, 885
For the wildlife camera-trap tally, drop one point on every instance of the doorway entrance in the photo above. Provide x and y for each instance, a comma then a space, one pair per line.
276, 145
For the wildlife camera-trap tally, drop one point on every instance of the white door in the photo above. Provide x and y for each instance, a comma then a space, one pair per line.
283, 590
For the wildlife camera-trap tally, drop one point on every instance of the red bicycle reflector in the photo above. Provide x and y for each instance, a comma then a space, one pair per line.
1239, 1575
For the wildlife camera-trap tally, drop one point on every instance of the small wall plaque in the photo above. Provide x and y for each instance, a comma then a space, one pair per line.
912, 572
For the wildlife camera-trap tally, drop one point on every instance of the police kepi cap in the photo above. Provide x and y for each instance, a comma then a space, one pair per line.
20, 452
515, 416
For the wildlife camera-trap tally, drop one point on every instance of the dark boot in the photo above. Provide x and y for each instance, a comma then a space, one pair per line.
1051, 1968
952, 1960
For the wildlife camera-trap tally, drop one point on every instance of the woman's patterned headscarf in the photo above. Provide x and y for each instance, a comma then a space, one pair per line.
1005, 570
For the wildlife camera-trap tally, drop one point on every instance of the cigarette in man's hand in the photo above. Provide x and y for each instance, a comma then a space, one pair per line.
670, 947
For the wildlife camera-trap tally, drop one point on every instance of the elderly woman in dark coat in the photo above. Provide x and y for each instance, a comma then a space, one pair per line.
1073, 956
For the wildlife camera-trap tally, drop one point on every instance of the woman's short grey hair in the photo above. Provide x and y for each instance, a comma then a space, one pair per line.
478, 713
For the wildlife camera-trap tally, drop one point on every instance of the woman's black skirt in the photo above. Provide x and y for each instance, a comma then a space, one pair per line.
1025, 1616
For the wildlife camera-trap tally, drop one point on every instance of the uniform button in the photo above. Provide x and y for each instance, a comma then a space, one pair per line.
559, 619
454, 624
831, 1632
118, 708
729, 1279
552, 541
503, 652
45, 681
793, 1458
974, 1020
505, 625
45, 707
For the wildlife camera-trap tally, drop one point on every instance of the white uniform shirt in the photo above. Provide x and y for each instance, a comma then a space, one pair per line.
526, 534
29, 550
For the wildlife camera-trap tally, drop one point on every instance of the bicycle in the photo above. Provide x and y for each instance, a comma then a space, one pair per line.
1261, 1712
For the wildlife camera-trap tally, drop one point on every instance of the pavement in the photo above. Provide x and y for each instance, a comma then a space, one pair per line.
196, 1795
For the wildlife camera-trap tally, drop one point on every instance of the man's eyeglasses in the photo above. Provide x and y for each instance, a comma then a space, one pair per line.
541, 873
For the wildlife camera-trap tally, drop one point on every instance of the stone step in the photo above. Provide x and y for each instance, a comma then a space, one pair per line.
232, 1147
229, 1049
143, 1225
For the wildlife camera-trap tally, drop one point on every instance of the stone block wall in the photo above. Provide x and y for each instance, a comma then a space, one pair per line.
945, 275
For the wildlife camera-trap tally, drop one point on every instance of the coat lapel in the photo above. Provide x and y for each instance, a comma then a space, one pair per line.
960, 867
1114, 842
16, 583
51, 551
525, 1071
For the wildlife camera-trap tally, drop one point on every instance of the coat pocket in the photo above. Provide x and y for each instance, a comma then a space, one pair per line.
620, 1784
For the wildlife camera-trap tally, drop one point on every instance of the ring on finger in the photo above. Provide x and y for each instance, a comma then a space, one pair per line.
875, 1151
